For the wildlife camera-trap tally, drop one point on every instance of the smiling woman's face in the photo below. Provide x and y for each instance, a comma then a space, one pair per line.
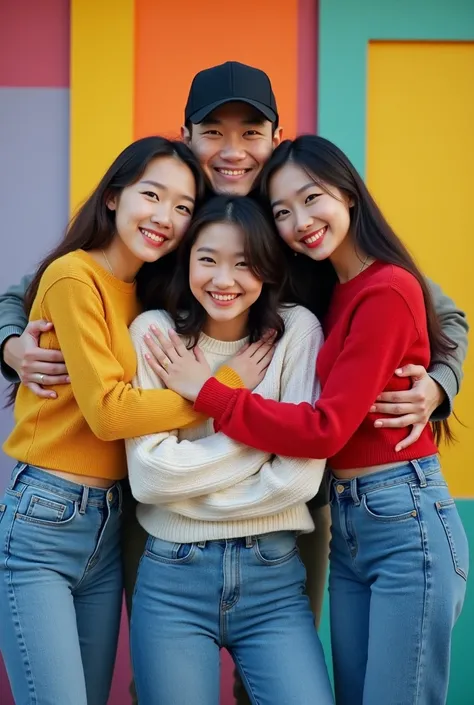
220, 279
312, 220
152, 215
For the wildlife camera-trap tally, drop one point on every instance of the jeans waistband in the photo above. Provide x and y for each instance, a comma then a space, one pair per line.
72, 491
244, 541
413, 471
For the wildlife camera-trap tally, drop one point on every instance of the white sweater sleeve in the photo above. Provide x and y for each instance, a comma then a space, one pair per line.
163, 469
281, 481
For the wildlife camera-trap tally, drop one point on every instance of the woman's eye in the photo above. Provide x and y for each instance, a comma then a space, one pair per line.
279, 214
242, 265
208, 260
311, 197
151, 194
186, 209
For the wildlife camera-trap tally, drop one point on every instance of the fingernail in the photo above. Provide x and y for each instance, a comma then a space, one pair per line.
68, 379
153, 327
147, 356
52, 395
378, 424
398, 372
373, 408
379, 397
397, 449
147, 336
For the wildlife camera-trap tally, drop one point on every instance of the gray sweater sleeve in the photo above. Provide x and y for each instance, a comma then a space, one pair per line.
13, 320
447, 372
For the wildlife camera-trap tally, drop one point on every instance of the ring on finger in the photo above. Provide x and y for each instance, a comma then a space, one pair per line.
164, 363
40, 378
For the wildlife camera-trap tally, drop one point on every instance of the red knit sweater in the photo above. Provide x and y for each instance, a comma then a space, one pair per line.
376, 323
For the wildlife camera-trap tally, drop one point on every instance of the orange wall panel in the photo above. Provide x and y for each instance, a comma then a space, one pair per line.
174, 41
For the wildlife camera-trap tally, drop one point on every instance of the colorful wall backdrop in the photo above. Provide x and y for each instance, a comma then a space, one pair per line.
390, 83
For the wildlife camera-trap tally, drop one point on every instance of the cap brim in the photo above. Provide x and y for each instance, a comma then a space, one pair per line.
201, 114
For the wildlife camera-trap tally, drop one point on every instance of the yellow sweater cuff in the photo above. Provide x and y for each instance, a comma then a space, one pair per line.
229, 377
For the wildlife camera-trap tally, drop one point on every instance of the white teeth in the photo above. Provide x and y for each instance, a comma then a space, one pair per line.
314, 238
232, 172
152, 236
223, 297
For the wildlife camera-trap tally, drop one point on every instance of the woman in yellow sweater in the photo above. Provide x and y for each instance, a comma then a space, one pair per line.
60, 562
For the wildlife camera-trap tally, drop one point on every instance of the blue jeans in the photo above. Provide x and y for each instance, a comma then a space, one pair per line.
398, 569
60, 588
246, 595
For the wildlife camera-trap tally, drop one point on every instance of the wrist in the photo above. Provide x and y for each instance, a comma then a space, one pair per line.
10, 352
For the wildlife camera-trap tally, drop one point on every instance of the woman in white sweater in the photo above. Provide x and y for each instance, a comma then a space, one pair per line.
221, 568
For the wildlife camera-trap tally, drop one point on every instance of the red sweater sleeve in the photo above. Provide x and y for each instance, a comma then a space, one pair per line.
381, 332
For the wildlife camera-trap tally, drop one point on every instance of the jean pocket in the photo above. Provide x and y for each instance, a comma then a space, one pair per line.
169, 551
455, 534
276, 547
391, 503
42, 507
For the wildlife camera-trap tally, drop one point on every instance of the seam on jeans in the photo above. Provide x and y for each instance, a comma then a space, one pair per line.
427, 593
245, 680
18, 629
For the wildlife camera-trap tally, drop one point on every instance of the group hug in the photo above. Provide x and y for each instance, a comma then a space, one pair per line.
229, 354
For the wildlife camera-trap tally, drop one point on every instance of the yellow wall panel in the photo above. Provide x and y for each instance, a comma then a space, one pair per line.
420, 156
102, 78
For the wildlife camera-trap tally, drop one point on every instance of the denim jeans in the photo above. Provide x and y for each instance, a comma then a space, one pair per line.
398, 570
246, 595
60, 588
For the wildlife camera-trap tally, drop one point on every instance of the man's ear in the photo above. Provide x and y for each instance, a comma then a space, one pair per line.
185, 135
277, 137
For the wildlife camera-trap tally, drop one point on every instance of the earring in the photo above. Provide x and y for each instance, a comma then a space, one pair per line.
295, 254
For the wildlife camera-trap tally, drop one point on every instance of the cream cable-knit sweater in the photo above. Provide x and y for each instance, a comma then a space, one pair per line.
196, 485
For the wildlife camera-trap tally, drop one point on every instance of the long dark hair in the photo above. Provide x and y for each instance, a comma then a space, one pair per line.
328, 166
93, 226
263, 254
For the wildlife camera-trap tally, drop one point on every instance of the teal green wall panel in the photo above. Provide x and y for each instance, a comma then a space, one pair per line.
345, 28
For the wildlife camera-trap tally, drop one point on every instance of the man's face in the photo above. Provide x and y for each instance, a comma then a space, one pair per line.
232, 144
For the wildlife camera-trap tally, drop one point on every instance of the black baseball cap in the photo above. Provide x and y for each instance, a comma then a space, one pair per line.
227, 83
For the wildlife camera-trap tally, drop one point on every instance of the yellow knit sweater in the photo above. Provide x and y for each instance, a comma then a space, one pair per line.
82, 431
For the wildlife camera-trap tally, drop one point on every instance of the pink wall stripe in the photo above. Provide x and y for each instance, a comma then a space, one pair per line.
308, 35
34, 43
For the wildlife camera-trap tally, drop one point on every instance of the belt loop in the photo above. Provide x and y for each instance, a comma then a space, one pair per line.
419, 473
84, 499
354, 495
201, 544
249, 541
17, 470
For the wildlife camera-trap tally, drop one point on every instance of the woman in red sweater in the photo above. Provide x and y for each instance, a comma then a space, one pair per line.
399, 554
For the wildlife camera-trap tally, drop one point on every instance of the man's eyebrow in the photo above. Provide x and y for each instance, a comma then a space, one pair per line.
255, 120
157, 184
298, 192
